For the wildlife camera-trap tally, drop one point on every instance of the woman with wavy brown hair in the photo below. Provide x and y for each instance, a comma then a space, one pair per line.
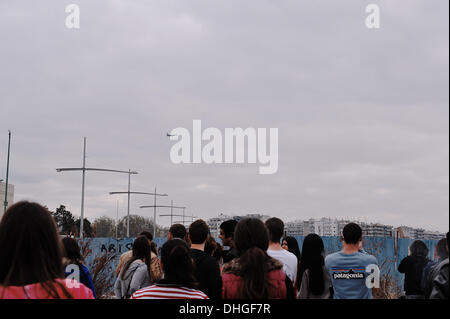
31, 257
254, 274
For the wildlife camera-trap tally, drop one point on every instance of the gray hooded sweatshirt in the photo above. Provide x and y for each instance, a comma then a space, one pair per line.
136, 277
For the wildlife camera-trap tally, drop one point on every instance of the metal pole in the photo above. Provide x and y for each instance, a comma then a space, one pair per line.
128, 210
117, 220
154, 216
7, 173
183, 216
171, 212
82, 190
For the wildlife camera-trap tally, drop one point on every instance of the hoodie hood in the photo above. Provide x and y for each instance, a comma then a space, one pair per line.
233, 267
133, 267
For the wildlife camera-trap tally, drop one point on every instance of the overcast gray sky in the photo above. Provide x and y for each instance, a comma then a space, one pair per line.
362, 114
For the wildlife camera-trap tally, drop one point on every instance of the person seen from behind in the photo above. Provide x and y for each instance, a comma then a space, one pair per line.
73, 263
177, 231
254, 274
226, 234
412, 266
214, 249
178, 268
275, 227
347, 268
155, 268
290, 244
207, 271
439, 289
314, 279
135, 274
432, 269
31, 257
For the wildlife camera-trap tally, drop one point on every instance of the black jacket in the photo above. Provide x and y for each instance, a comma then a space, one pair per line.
440, 283
229, 255
412, 267
207, 273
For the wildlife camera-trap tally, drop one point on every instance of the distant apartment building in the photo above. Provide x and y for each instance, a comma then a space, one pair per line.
334, 227
377, 230
418, 233
329, 227
294, 228
2, 196
321, 227
432, 235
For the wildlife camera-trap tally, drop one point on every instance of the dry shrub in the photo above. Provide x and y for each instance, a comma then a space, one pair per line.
100, 269
389, 286
102, 274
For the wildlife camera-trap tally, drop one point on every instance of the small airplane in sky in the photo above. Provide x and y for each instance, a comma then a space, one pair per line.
169, 135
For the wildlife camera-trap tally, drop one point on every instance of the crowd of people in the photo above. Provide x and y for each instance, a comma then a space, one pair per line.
253, 261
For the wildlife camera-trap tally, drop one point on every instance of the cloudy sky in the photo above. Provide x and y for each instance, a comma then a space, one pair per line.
362, 114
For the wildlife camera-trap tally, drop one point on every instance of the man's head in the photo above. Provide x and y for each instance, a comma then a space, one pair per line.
352, 234
198, 232
275, 227
447, 242
441, 249
227, 232
147, 235
177, 231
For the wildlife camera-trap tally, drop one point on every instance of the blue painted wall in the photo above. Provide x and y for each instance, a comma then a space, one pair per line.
388, 253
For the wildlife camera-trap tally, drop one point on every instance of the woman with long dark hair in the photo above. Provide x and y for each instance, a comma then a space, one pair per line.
178, 268
412, 266
31, 256
314, 281
291, 244
73, 261
135, 274
254, 274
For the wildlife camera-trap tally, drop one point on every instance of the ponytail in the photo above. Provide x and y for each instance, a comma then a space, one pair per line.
177, 263
253, 267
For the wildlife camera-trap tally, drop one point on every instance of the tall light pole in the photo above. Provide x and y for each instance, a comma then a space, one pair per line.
184, 221
117, 218
171, 211
84, 169
129, 192
7, 173
154, 210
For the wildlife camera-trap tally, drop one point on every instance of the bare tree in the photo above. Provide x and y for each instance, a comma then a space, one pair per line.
104, 227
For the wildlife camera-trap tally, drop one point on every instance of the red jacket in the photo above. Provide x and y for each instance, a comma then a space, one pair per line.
36, 291
232, 281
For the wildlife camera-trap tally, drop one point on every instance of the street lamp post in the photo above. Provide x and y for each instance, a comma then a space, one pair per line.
84, 169
184, 221
128, 193
171, 211
7, 173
